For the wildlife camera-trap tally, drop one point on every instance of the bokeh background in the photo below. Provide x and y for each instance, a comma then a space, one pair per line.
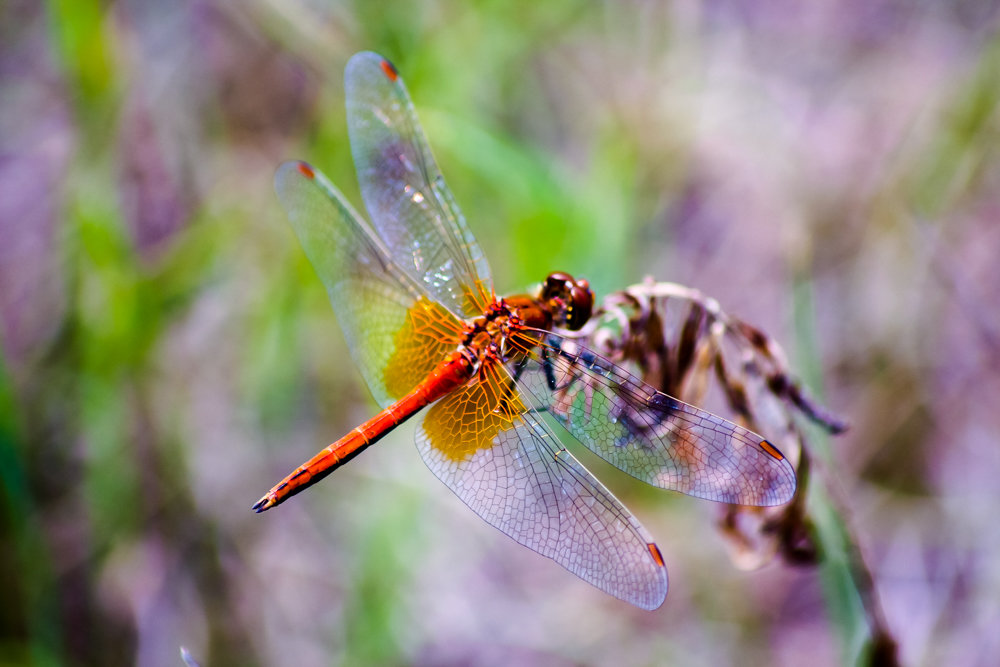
827, 170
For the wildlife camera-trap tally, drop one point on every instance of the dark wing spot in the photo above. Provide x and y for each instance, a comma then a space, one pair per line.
662, 403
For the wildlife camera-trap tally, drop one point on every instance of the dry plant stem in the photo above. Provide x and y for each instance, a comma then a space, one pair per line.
676, 352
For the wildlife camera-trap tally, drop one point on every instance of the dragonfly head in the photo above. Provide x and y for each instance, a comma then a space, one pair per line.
569, 300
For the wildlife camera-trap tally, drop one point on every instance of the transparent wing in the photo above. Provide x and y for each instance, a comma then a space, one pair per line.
509, 468
646, 433
396, 334
406, 196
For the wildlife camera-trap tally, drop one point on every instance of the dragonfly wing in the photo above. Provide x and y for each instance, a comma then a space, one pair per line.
648, 434
396, 334
509, 468
406, 196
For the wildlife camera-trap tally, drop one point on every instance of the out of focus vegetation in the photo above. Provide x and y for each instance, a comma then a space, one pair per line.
827, 170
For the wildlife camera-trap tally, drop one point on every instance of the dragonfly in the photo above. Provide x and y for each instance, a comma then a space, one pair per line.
478, 373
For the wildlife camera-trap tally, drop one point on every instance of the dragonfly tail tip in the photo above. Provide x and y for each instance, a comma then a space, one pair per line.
263, 504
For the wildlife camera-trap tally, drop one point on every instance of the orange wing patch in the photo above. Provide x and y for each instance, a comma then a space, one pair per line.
478, 297
468, 419
429, 334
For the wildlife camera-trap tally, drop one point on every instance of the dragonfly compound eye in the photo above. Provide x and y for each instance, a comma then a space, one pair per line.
581, 305
570, 300
556, 285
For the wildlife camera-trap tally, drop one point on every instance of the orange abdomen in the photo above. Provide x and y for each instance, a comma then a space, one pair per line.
453, 372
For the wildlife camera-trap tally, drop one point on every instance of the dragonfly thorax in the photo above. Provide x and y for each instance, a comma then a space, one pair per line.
562, 301
497, 322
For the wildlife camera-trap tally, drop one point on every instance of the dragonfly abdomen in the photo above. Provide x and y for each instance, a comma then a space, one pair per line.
455, 370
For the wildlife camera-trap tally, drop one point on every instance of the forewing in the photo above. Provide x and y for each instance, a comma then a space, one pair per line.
406, 196
396, 334
646, 433
509, 468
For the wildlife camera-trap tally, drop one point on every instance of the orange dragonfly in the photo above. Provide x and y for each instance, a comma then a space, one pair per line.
477, 372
